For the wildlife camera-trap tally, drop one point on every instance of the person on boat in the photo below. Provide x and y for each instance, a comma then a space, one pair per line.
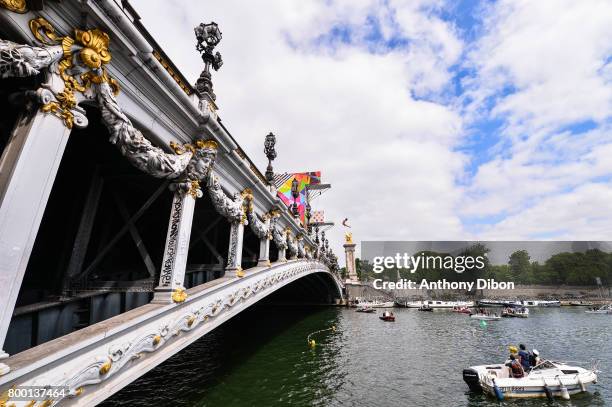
535, 358
524, 357
516, 370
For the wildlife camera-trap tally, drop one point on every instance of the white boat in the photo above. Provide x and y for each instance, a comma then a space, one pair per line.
373, 303
547, 379
519, 303
511, 312
604, 309
438, 304
486, 317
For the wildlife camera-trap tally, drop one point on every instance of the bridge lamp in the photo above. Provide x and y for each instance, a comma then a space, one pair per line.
271, 155
308, 208
295, 193
208, 37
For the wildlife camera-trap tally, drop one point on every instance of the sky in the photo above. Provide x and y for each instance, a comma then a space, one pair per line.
432, 120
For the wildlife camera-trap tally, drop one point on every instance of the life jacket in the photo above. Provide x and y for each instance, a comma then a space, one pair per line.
517, 370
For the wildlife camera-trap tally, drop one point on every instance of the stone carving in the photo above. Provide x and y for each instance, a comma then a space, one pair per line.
292, 247
232, 209
257, 226
279, 238
18, 60
133, 145
260, 228
301, 250
80, 61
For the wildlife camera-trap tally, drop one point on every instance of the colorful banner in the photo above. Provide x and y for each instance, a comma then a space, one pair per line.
304, 179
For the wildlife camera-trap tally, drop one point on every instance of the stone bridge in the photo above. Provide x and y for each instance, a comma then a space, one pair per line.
93, 363
132, 222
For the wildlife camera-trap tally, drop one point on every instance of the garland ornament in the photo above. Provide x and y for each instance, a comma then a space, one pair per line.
82, 64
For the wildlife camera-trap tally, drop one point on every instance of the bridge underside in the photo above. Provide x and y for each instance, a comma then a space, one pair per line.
99, 247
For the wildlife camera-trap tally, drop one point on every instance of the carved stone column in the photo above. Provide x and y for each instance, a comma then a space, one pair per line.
234, 256
264, 246
349, 249
172, 275
27, 171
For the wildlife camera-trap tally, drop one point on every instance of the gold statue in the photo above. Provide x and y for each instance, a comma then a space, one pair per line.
348, 237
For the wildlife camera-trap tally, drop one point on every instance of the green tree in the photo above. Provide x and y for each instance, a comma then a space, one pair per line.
520, 267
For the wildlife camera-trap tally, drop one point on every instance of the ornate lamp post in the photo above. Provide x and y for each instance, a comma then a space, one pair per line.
208, 36
295, 193
271, 154
307, 216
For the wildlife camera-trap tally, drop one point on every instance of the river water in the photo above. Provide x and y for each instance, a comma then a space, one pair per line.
261, 359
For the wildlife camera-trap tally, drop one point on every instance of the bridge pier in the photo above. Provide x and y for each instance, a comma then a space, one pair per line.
38, 138
264, 252
174, 263
234, 255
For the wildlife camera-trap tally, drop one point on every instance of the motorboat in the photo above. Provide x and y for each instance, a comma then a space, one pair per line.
367, 310
547, 379
439, 304
604, 309
485, 317
387, 316
511, 312
425, 308
519, 303
373, 303
462, 310
581, 303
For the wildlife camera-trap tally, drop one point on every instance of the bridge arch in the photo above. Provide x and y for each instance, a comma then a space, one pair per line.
104, 357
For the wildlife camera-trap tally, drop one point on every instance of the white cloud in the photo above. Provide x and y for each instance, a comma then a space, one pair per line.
347, 112
355, 107
543, 64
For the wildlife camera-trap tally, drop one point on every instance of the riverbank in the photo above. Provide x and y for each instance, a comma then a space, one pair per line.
520, 291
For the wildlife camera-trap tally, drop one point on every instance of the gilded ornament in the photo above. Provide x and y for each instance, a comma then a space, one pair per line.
177, 148
91, 47
179, 295
239, 272
78, 391
190, 320
194, 189
348, 238
207, 144
18, 6
104, 369
95, 51
156, 340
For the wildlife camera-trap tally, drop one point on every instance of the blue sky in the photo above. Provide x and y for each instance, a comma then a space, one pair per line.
432, 119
